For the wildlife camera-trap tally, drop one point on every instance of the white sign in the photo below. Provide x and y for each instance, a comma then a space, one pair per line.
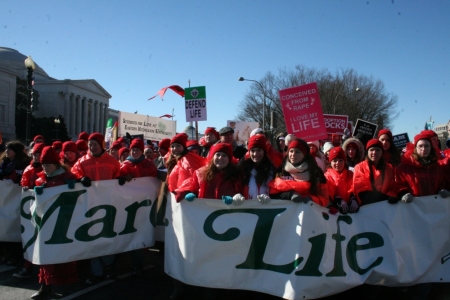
152, 128
10, 196
195, 103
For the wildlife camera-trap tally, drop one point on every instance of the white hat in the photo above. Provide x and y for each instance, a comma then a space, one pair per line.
327, 147
256, 131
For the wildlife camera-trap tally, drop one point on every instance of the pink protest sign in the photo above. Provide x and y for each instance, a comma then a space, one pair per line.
335, 124
303, 112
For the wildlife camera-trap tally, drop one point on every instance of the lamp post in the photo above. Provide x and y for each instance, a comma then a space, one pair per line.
264, 100
335, 99
57, 122
29, 64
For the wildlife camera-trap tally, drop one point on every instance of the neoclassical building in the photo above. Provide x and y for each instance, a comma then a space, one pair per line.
84, 104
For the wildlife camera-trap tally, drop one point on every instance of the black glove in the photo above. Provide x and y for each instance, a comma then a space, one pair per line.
342, 205
392, 200
86, 181
25, 188
286, 195
121, 180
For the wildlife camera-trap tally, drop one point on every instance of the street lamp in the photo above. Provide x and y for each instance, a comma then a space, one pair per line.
335, 99
29, 64
264, 99
57, 122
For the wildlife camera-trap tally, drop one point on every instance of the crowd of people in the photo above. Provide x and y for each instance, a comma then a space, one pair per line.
341, 177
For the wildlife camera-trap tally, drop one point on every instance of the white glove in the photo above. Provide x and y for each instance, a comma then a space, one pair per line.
263, 198
238, 199
444, 193
354, 206
407, 198
344, 206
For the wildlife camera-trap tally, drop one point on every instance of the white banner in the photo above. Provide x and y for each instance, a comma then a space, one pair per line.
10, 196
299, 251
64, 225
152, 128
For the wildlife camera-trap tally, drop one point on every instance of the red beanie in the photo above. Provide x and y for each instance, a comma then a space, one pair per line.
422, 136
38, 137
257, 141
122, 150
300, 145
337, 152
221, 147
137, 143
429, 133
98, 137
164, 144
116, 145
57, 145
83, 136
49, 156
213, 131
37, 148
82, 145
69, 146
374, 143
385, 131
180, 138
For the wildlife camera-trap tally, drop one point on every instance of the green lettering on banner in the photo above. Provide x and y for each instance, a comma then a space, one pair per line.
66, 203
259, 242
375, 241
131, 216
338, 269
82, 233
23, 213
315, 256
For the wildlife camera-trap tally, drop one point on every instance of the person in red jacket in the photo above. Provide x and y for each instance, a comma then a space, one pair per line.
69, 154
136, 165
219, 179
390, 152
124, 152
299, 179
114, 150
57, 145
373, 179
181, 166
54, 174
82, 147
257, 170
340, 182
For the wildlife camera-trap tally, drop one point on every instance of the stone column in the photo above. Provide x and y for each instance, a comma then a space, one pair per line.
67, 112
85, 115
91, 117
79, 112
102, 121
97, 117
72, 116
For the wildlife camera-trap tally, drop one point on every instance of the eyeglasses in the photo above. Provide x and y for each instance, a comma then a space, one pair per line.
423, 146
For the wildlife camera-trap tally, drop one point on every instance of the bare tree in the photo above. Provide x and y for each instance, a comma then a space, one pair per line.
343, 93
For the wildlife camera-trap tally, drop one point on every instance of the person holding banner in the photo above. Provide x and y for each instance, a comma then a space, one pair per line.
136, 165
257, 170
373, 179
82, 147
340, 182
354, 151
391, 154
54, 175
114, 149
299, 179
69, 154
124, 152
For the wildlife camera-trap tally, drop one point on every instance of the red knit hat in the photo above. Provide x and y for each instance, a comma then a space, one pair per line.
385, 131
57, 145
82, 145
38, 137
193, 144
98, 137
337, 152
213, 131
49, 156
116, 145
422, 136
122, 150
83, 136
137, 143
180, 138
429, 133
221, 147
300, 145
164, 144
257, 141
37, 148
374, 143
69, 146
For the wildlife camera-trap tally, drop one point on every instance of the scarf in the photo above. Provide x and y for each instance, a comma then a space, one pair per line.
299, 173
136, 161
59, 171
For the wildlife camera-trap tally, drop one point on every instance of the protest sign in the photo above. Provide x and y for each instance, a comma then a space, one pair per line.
365, 128
400, 140
335, 124
303, 112
152, 128
195, 103
242, 130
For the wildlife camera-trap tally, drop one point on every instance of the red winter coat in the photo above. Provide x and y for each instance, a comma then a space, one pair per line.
419, 180
145, 168
340, 184
302, 188
362, 183
29, 176
180, 179
64, 273
216, 188
104, 167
